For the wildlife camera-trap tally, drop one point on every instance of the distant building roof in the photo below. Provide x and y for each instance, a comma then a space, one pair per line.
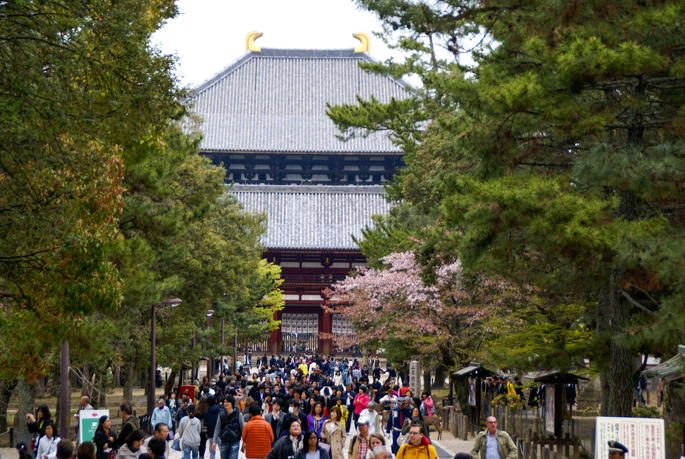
275, 101
313, 217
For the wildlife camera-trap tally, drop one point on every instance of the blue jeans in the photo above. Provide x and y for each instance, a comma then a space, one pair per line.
188, 449
211, 451
229, 450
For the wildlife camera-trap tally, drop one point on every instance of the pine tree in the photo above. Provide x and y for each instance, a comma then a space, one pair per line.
557, 160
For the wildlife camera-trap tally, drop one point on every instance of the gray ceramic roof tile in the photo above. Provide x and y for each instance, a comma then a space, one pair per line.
275, 101
313, 217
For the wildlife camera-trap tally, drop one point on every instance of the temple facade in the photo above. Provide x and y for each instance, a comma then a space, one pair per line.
264, 119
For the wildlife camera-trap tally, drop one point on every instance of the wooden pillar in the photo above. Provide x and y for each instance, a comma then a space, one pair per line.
479, 382
276, 337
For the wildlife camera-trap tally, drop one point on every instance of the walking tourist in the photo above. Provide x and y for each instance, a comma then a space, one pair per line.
493, 443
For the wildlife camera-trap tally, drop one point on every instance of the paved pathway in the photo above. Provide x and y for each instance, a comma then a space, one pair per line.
446, 448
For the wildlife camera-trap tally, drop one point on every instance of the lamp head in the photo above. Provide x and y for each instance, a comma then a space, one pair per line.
174, 302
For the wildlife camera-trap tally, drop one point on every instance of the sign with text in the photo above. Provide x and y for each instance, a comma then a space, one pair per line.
88, 423
644, 437
414, 378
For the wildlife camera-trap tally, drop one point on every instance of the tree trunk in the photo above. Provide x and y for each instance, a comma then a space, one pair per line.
426, 382
85, 383
26, 401
6, 388
117, 376
100, 395
440, 376
128, 370
56, 416
145, 383
616, 381
168, 387
674, 417
40, 388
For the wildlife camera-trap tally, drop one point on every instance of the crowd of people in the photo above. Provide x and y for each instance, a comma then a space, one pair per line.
293, 408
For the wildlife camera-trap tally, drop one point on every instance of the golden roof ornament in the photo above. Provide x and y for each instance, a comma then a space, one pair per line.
250, 44
365, 43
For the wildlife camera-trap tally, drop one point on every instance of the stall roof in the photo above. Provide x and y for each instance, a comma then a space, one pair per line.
474, 369
672, 368
559, 377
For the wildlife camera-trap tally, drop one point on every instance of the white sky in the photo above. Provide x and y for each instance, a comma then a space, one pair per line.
208, 35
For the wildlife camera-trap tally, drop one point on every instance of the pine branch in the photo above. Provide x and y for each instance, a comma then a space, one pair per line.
536, 164
631, 126
638, 305
668, 209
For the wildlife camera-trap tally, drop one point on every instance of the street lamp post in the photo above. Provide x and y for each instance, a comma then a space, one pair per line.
221, 365
153, 353
210, 363
235, 351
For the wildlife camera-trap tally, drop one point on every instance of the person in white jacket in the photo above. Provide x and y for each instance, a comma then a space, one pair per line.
47, 447
161, 414
338, 379
373, 418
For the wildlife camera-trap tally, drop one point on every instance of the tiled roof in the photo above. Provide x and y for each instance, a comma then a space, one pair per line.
275, 101
313, 217
671, 369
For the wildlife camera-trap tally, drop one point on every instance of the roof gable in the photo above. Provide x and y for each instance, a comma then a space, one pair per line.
275, 101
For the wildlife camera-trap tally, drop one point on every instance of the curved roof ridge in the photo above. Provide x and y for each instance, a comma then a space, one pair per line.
304, 53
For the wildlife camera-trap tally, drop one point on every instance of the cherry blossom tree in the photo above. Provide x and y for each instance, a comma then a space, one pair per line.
443, 322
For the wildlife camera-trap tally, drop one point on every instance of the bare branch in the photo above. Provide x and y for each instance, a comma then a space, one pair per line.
638, 305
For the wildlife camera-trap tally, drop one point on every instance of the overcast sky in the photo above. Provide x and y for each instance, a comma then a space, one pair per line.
208, 35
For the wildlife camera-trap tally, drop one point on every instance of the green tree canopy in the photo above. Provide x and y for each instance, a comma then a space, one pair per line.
83, 95
556, 160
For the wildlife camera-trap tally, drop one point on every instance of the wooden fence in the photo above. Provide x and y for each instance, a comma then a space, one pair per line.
534, 445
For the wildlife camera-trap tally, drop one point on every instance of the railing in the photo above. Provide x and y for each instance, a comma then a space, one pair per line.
303, 342
318, 279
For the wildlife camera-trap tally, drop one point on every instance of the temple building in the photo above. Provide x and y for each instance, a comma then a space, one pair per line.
264, 119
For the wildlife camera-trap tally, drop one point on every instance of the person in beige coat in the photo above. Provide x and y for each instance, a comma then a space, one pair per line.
333, 433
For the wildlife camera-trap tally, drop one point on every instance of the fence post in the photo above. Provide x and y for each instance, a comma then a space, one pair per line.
526, 450
11, 437
519, 449
465, 433
576, 452
505, 424
545, 452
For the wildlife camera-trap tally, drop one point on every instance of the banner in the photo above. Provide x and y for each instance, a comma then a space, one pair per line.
88, 423
549, 408
472, 391
644, 437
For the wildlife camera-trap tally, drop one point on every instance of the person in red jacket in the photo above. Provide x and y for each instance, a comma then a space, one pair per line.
257, 434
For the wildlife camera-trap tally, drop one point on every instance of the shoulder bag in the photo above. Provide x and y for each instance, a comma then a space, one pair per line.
176, 445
